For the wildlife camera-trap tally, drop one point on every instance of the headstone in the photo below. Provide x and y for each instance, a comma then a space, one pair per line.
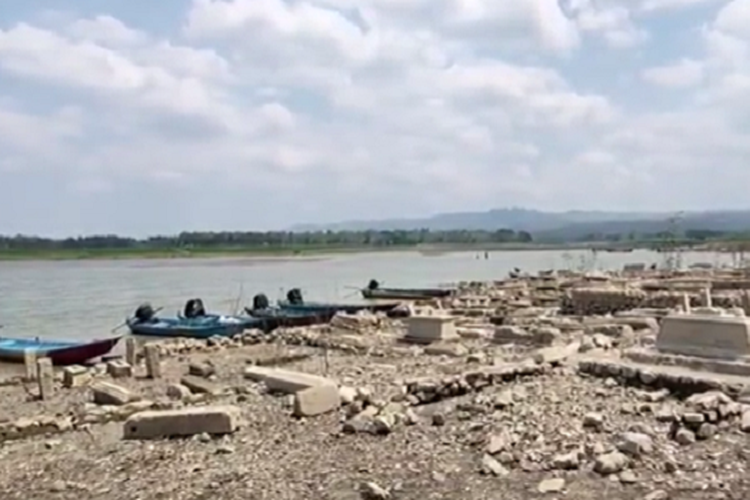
431, 328
46, 377
709, 336
153, 363
29, 361
707, 297
131, 351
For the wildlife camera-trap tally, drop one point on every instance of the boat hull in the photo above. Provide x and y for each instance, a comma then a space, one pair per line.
61, 353
405, 294
199, 328
290, 318
332, 309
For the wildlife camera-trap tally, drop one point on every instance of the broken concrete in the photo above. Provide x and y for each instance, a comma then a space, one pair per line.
426, 329
75, 376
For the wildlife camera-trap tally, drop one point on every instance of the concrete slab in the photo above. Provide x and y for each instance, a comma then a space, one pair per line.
213, 420
723, 337
285, 381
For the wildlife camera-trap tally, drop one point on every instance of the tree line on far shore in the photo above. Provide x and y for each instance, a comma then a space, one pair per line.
270, 239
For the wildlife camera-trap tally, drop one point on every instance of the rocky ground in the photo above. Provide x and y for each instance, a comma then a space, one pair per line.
536, 430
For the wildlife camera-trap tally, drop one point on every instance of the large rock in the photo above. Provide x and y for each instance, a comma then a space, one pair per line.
213, 420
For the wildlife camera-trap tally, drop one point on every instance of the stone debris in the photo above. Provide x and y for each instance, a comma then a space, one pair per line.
496, 393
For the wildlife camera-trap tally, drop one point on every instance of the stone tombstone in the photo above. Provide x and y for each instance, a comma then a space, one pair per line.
703, 335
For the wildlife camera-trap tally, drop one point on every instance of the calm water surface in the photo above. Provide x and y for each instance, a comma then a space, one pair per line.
84, 299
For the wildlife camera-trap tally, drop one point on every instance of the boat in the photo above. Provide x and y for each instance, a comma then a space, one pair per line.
286, 317
61, 352
193, 323
295, 302
374, 291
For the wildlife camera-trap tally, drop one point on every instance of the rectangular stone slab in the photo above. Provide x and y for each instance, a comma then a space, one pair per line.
182, 422
285, 381
724, 337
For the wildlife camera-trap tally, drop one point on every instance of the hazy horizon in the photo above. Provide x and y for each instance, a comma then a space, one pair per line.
140, 118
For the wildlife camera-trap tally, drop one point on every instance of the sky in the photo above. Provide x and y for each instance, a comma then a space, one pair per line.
137, 118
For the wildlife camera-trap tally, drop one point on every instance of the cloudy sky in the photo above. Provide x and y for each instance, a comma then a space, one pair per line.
143, 117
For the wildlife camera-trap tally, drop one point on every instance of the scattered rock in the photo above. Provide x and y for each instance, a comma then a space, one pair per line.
553, 485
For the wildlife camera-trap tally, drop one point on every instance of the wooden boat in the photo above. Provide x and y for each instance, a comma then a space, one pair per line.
374, 291
294, 302
61, 352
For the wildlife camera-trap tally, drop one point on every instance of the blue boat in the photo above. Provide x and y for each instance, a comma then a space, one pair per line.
193, 323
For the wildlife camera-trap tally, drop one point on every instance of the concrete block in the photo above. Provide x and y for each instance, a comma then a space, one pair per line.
153, 362
76, 376
214, 420
199, 385
29, 361
110, 394
131, 351
316, 400
431, 328
725, 337
46, 377
119, 369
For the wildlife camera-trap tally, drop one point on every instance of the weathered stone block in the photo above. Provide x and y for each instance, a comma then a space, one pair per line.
110, 394
76, 376
214, 420
316, 400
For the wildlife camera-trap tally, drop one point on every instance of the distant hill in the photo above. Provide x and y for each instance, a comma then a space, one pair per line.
504, 218
554, 225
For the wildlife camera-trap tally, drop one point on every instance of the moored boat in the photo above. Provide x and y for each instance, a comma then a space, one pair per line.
374, 291
193, 323
286, 317
61, 352
295, 302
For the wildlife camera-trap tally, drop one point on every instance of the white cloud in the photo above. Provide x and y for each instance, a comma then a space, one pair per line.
407, 106
685, 73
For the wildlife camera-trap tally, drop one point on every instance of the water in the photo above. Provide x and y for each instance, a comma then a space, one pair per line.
86, 299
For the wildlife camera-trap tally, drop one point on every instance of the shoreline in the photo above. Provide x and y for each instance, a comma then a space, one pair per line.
298, 253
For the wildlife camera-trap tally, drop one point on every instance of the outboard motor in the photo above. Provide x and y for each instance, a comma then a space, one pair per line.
373, 285
144, 313
194, 308
260, 302
294, 296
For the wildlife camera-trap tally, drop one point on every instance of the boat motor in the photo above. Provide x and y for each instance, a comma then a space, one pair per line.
294, 296
260, 302
373, 285
144, 313
194, 308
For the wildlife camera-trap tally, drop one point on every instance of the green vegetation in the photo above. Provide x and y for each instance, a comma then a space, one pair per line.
211, 244
214, 244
